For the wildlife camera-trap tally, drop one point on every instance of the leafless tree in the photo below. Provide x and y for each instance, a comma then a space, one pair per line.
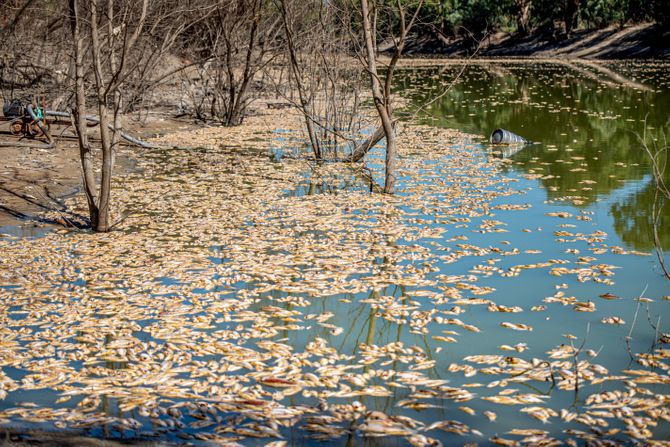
104, 39
116, 48
313, 61
31, 50
380, 84
321, 75
234, 41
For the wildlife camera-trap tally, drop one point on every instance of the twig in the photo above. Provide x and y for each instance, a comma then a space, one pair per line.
655, 327
576, 356
629, 337
661, 193
68, 221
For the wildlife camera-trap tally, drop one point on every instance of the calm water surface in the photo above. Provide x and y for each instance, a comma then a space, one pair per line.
584, 129
588, 163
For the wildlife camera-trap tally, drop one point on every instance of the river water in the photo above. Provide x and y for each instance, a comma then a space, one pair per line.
500, 268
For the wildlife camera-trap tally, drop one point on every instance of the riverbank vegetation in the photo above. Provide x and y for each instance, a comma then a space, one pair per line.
559, 19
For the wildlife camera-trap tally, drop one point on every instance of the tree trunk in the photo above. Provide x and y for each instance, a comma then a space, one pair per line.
362, 148
389, 179
381, 101
79, 113
237, 112
523, 16
103, 222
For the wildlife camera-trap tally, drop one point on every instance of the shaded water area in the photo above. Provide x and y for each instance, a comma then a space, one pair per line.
510, 301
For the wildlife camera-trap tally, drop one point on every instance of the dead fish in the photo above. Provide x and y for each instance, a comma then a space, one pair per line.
277, 382
504, 442
418, 440
613, 320
516, 326
383, 427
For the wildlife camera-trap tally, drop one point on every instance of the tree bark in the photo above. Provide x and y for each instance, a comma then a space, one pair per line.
381, 101
364, 147
79, 113
103, 222
523, 16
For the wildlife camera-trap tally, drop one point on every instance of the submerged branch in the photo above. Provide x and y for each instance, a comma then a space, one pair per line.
364, 147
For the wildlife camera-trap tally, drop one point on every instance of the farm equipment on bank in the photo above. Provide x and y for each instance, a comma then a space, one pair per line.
26, 121
29, 121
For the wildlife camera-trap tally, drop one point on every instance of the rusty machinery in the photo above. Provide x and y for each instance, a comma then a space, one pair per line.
25, 120
29, 120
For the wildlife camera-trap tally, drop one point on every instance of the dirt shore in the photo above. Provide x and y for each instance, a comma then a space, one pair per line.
25, 437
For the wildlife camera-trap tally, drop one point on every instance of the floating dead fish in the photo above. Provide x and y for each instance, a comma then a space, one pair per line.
516, 326
612, 320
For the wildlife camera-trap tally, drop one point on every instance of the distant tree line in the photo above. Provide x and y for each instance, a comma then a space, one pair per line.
559, 17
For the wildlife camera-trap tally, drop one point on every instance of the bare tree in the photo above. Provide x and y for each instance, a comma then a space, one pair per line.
319, 64
234, 41
30, 48
321, 75
306, 99
380, 85
104, 39
79, 110
116, 47
167, 24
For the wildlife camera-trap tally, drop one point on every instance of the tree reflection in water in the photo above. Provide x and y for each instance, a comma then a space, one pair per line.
588, 129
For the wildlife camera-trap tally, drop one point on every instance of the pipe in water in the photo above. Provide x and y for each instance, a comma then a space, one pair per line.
96, 120
502, 136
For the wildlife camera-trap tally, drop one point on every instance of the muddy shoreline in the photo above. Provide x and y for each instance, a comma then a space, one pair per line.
24, 436
36, 182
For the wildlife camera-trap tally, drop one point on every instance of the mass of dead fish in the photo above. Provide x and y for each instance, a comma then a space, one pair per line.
202, 317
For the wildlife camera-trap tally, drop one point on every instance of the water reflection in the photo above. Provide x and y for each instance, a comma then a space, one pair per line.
589, 127
634, 217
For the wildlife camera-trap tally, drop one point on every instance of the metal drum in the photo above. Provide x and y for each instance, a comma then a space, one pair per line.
502, 136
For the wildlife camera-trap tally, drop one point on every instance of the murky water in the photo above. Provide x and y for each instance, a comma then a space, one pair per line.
243, 278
